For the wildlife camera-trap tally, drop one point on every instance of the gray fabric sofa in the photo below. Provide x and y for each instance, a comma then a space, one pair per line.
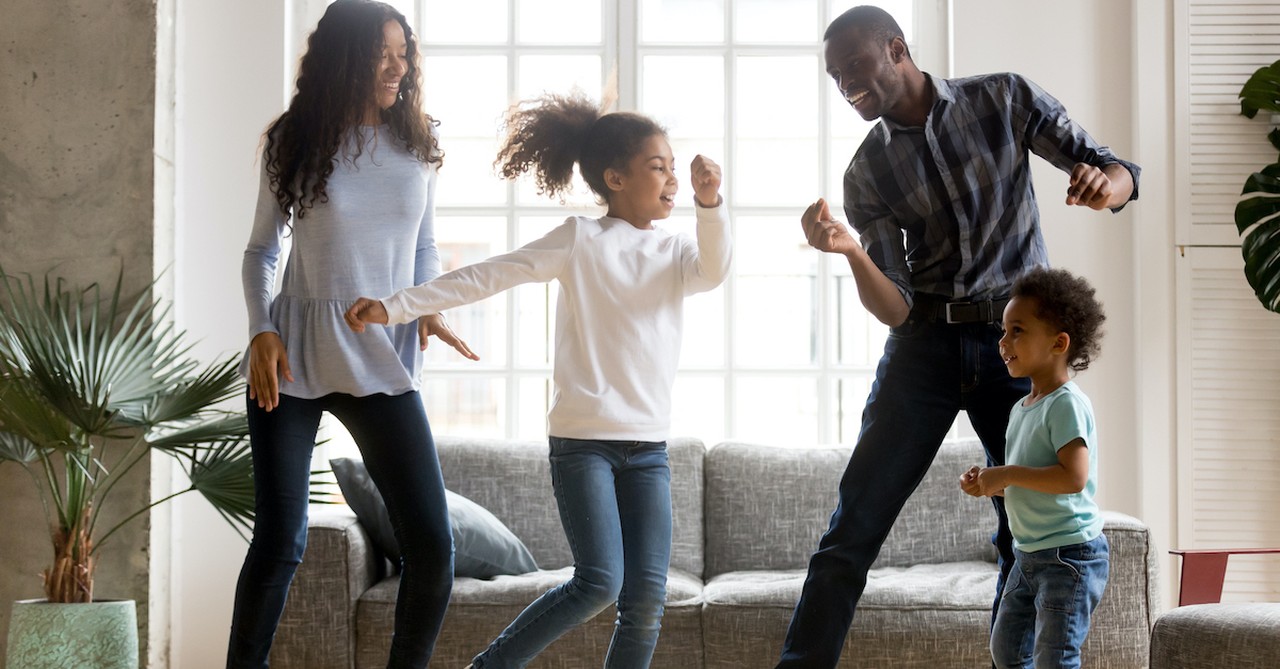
1210, 636
747, 518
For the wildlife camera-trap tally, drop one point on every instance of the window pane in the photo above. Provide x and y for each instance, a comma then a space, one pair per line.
483, 325
558, 21
776, 410
681, 21
697, 408
703, 343
776, 96
470, 22
471, 406
532, 407
540, 75
852, 397
775, 285
859, 336
467, 94
685, 94
535, 304
774, 21
467, 177
777, 160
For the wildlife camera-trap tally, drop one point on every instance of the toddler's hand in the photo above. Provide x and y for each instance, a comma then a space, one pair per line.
365, 310
705, 175
969, 480
984, 482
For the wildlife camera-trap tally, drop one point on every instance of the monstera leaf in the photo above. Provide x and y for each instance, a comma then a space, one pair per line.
1258, 211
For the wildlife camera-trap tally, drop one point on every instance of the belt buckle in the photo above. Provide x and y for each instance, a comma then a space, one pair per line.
951, 319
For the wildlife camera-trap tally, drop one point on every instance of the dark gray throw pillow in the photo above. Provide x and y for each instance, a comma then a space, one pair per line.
483, 546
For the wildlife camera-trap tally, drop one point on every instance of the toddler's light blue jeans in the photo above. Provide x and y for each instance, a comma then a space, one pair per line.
1048, 600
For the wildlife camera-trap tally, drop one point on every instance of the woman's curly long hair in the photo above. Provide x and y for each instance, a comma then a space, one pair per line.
335, 82
1068, 303
547, 135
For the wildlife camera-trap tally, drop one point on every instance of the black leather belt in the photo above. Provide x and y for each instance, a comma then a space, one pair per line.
962, 311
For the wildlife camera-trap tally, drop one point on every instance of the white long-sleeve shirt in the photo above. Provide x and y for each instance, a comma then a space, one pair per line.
619, 320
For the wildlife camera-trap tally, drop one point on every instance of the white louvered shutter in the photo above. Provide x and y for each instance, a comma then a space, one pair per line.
1224, 43
1228, 344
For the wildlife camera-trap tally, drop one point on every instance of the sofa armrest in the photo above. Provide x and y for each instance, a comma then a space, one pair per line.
1120, 633
318, 627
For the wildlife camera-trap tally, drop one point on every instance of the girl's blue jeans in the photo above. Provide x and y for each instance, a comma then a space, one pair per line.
1048, 600
395, 441
615, 505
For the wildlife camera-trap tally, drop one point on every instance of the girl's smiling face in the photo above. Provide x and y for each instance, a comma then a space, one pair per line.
645, 191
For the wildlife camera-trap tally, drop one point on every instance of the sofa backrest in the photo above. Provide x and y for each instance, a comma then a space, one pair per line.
512, 479
767, 506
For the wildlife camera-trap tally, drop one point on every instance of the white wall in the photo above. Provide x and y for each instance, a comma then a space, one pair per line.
231, 58
229, 86
1110, 64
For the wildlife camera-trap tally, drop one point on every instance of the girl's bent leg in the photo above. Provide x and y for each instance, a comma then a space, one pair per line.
400, 454
644, 506
582, 475
282, 441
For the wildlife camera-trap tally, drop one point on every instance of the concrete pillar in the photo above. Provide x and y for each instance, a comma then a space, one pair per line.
77, 135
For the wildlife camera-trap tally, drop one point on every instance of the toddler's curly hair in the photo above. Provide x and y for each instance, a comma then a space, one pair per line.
1068, 303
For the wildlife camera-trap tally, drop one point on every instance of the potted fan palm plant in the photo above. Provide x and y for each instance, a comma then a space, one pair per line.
82, 370
1258, 212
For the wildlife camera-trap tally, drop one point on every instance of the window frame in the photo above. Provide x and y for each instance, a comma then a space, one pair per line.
621, 44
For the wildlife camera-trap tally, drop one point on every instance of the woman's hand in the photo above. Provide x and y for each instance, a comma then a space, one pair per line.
436, 325
705, 176
268, 362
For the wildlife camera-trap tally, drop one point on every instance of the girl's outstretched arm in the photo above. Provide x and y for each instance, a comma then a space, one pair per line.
365, 310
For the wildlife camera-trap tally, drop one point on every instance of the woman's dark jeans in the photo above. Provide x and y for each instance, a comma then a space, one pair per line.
395, 440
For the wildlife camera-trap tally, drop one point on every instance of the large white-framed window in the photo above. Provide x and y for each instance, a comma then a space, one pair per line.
783, 353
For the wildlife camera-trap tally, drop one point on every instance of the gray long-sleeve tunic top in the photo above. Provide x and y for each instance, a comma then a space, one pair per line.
374, 236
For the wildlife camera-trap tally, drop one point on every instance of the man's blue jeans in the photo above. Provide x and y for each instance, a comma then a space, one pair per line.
1048, 601
395, 440
929, 372
615, 505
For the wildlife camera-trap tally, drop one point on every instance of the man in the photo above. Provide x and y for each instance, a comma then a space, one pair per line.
940, 194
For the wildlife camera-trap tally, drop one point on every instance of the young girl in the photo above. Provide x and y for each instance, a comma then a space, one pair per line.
617, 341
1051, 326
349, 172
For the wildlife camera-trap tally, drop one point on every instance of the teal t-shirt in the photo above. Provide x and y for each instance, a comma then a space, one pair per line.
1040, 520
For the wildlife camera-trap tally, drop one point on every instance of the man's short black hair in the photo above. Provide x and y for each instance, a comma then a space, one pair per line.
875, 21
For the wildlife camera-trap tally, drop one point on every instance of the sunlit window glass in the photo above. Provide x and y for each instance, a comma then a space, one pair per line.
681, 21
557, 21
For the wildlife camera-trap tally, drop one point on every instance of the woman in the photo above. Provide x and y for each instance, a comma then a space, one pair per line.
348, 175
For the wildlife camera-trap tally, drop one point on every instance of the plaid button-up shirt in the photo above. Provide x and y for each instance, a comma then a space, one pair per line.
948, 209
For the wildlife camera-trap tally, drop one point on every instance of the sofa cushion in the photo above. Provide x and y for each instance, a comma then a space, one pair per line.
767, 506
512, 479
920, 617
483, 546
956, 585
479, 610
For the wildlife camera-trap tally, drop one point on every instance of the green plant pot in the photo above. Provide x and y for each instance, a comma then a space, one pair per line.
103, 635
